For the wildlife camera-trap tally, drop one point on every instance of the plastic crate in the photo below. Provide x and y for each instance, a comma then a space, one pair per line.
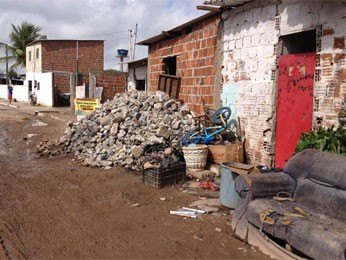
165, 176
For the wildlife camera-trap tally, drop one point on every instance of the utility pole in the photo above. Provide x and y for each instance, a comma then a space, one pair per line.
134, 44
130, 44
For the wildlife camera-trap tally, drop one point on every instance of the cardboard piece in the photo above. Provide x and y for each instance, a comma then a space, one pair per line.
241, 168
226, 153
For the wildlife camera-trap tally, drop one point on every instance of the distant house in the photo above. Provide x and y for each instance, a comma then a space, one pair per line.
55, 67
137, 74
185, 61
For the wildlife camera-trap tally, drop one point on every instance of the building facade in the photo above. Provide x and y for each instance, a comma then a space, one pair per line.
188, 56
55, 67
284, 71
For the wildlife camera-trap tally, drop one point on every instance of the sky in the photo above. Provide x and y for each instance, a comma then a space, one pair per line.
108, 20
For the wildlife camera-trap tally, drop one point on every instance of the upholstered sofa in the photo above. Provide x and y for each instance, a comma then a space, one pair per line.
297, 213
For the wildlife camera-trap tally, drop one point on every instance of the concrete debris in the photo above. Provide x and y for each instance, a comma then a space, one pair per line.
219, 230
125, 131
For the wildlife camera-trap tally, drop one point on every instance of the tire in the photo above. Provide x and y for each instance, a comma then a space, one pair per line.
225, 112
187, 140
233, 125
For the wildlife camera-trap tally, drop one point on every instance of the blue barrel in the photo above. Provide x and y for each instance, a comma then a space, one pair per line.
228, 196
122, 52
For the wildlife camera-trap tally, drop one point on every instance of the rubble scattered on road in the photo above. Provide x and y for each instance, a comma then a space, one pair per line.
125, 131
38, 123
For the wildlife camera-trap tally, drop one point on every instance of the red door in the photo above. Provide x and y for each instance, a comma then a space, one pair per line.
294, 104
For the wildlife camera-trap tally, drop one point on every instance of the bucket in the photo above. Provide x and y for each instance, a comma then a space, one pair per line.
228, 196
195, 157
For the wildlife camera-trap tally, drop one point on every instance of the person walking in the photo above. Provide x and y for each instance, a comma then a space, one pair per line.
10, 94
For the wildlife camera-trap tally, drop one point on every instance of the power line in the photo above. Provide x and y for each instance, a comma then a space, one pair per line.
96, 35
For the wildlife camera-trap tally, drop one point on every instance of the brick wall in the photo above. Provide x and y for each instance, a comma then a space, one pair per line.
60, 55
112, 82
195, 62
251, 36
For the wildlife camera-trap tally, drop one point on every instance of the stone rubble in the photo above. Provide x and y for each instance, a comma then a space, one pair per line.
125, 131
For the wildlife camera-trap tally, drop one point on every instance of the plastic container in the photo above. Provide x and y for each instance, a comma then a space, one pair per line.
122, 52
165, 176
228, 196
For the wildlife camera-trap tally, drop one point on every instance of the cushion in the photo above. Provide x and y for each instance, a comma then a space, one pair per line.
318, 236
322, 199
299, 165
330, 169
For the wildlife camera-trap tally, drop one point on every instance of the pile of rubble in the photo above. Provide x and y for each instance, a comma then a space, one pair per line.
125, 131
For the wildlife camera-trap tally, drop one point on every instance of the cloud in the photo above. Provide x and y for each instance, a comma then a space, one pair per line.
107, 20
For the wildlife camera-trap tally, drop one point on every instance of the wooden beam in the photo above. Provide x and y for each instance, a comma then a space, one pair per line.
209, 8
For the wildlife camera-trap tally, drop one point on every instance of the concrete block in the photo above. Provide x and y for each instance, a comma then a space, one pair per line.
268, 51
236, 54
239, 43
246, 41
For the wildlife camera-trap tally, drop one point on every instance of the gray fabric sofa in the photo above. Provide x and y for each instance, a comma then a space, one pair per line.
313, 225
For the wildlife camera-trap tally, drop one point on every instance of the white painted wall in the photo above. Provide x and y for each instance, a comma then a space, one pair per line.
251, 36
34, 62
140, 73
20, 92
45, 93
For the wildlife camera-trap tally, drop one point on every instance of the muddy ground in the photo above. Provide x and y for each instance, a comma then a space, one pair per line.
53, 208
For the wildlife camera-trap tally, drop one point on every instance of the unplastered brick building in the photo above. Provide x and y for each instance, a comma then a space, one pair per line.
183, 61
284, 71
54, 67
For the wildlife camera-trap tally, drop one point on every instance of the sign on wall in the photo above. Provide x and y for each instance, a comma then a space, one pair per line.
84, 106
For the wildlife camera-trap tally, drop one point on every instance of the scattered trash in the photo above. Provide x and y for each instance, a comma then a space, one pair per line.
208, 185
198, 237
28, 136
187, 212
219, 230
38, 123
135, 205
163, 199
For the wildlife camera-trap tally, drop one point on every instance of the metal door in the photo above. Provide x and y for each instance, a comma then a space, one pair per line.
294, 103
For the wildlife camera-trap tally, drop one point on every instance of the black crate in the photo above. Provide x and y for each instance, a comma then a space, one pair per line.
165, 176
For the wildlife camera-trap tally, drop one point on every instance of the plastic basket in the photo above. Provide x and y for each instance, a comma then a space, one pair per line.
165, 176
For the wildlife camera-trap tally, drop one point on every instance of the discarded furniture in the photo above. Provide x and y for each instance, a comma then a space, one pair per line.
299, 212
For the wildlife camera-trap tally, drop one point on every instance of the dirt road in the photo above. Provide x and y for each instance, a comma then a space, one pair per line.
53, 208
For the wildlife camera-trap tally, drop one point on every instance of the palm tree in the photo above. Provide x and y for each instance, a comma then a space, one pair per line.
20, 36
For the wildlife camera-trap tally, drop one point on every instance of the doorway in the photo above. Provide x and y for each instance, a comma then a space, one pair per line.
295, 92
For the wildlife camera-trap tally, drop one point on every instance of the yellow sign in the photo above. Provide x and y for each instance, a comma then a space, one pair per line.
84, 106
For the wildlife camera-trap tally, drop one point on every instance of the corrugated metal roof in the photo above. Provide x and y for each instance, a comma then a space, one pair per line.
228, 3
175, 31
138, 63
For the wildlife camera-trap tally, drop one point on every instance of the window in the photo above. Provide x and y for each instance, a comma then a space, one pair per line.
38, 85
299, 42
29, 55
37, 53
30, 85
140, 84
170, 65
